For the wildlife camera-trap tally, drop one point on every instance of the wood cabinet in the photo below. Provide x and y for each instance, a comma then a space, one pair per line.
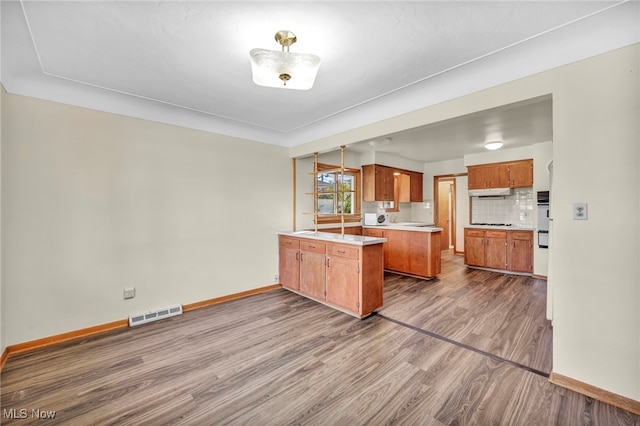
474, 247
499, 249
312, 269
378, 233
520, 251
496, 249
521, 173
347, 277
413, 253
416, 180
343, 273
488, 176
511, 174
379, 184
289, 262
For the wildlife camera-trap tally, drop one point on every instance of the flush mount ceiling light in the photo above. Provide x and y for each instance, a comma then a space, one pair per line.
380, 142
273, 68
493, 145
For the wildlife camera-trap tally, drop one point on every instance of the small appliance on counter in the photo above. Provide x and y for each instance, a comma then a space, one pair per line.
375, 219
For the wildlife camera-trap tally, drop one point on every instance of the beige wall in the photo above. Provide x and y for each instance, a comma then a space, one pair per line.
596, 278
2, 321
95, 202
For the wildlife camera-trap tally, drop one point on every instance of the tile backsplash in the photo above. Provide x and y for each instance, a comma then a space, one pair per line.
516, 209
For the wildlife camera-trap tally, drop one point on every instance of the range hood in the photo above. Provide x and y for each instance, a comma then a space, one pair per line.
489, 192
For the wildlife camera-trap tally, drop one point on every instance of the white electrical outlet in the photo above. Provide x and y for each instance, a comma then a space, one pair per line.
580, 211
129, 293
276, 278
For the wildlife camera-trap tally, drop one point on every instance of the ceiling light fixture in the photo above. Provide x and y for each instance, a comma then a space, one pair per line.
493, 145
380, 142
273, 68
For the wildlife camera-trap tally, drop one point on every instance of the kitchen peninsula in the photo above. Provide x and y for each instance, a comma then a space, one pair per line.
411, 248
344, 272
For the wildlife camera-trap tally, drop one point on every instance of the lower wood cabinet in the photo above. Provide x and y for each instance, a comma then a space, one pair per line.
496, 249
289, 262
415, 253
521, 251
499, 249
474, 247
313, 274
344, 276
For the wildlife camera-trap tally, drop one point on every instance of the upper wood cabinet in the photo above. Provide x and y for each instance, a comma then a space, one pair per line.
416, 187
379, 184
521, 173
512, 174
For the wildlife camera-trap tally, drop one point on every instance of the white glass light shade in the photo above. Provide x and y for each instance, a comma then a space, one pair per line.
493, 145
268, 65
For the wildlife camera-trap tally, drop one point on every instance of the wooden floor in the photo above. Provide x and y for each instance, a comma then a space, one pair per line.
471, 347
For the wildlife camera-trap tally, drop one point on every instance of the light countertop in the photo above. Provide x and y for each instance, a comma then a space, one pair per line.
357, 240
506, 228
407, 226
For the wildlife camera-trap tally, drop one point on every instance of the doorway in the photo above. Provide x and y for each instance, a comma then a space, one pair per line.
445, 209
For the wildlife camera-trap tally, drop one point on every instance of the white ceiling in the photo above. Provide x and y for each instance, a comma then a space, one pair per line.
187, 63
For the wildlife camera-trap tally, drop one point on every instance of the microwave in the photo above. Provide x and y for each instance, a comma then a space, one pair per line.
375, 219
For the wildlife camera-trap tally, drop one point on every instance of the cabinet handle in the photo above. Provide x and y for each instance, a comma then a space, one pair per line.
327, 262
341, 251
298, 255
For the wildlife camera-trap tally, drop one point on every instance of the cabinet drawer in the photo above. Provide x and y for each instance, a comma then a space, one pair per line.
289, 242
378, 233
313, 246
473, 233
521, 235
343, 251
496, 234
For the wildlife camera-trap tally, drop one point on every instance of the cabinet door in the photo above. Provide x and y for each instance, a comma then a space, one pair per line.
520, 251
474, 247
403, 187
312, 269
496, 249
343, 276
498, 176
289, 263
476, 177
488, 176
521, 174
289, 268
416, 187
384, 183
377, 183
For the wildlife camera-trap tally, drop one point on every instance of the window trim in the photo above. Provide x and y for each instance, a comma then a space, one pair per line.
336, 218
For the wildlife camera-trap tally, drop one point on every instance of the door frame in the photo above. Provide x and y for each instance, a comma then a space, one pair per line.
436, 181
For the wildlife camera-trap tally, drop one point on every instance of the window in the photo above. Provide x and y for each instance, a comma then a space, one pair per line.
338, 193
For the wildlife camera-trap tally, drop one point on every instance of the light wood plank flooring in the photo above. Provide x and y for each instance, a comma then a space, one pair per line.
471, 347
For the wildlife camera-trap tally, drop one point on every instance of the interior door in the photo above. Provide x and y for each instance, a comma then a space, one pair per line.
444, 213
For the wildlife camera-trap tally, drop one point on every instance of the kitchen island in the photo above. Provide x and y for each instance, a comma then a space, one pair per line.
344, 272
411, 249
